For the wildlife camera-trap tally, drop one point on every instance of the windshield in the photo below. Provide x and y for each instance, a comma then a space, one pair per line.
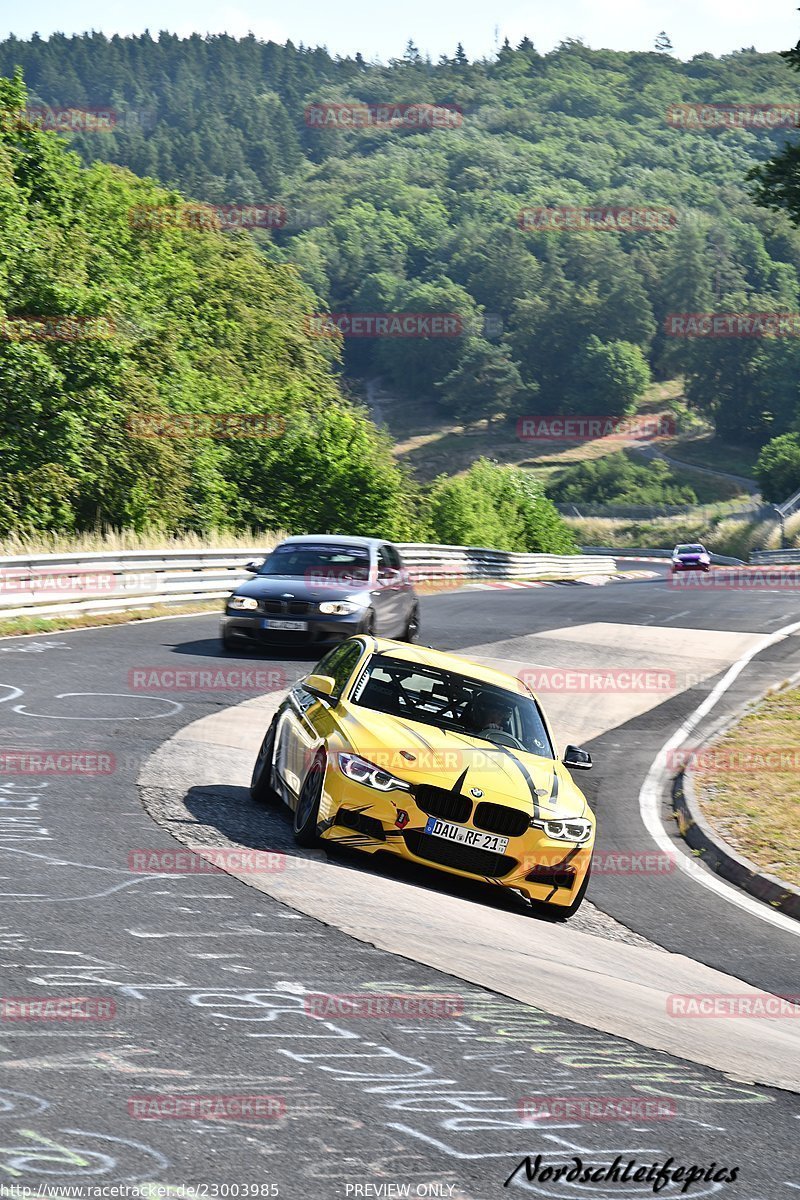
341, 565
453, 702
690, 550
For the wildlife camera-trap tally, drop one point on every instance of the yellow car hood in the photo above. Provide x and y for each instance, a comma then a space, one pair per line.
419, 753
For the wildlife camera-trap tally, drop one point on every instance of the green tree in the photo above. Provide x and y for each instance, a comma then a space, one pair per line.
778, 468
484, 385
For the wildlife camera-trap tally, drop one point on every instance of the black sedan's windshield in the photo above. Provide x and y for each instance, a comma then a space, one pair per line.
453, 702
319, 564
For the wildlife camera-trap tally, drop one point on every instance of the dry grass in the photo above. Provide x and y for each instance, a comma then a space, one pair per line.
748, 785
733, 536
112, 540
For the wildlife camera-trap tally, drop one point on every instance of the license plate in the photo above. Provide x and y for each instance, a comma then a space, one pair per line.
468, 837
296, 626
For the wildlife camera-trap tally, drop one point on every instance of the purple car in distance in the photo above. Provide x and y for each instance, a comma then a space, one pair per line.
691, 557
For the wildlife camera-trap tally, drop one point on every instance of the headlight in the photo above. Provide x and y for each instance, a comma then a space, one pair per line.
361, 771
566, 829
242, 602
339, 608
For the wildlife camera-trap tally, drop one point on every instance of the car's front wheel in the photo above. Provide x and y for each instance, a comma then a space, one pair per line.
306, 815
558, 912
261, 787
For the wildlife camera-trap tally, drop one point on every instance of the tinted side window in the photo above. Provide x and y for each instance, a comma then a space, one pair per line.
345, 665
394, 557
329, 663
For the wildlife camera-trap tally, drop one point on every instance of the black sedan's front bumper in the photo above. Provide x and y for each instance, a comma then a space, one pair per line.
253, 628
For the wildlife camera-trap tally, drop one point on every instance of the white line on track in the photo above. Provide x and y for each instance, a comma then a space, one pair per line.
658, 775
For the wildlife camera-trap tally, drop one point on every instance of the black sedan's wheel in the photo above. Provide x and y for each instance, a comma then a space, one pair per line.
412, 627
306, 816
557, 912
229, 643
261, 789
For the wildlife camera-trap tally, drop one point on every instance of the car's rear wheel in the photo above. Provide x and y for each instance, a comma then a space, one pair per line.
412, 627
306, 816
261, 787
558, 912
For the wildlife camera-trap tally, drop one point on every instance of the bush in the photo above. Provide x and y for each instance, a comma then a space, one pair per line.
778, 468
617, 479
499, 507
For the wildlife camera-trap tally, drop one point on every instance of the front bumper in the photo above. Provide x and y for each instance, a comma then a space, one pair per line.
690, 566
533, 864
251, 627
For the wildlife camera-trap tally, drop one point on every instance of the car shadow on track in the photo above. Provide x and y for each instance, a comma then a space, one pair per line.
212, 648
230, 811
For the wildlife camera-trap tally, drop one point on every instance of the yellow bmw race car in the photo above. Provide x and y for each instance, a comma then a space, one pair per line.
399, 748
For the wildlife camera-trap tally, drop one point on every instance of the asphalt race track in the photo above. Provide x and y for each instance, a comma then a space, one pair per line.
200, 983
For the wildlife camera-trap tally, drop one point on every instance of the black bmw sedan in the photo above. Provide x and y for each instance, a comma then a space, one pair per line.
323, 588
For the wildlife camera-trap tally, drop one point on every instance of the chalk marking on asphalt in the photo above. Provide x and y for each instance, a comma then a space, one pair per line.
176, 707
658, 775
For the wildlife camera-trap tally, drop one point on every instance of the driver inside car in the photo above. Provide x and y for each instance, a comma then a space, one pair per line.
491, 718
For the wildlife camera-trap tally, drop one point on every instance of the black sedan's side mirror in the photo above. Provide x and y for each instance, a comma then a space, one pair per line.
254, 566
577, 759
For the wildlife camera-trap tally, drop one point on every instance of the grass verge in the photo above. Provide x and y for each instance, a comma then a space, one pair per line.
748, 785
16, 626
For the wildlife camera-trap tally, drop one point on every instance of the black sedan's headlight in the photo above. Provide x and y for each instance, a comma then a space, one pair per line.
242, 603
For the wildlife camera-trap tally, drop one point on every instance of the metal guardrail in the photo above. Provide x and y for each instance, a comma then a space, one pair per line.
719, 560
57, 584
775, 557
477, 562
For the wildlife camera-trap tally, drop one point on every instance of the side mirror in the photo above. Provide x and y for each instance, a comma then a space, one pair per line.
577, 759
254, 566
320, 685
